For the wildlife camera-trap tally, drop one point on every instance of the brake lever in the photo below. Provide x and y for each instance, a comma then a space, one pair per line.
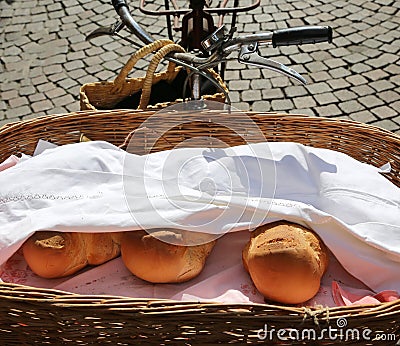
106, 30
249, 55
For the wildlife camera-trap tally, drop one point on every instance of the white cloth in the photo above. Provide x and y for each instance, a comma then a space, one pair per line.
94, 186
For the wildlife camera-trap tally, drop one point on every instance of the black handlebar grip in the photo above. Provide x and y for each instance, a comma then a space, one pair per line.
302, 35
118, 4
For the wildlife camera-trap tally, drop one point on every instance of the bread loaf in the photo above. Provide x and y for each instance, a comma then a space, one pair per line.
163, 256
285, 261
52, 254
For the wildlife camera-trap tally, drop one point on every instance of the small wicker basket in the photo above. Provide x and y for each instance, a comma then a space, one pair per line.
108, 94
32, 315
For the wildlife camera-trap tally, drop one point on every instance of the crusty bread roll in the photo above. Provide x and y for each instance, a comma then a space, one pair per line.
285, 261
52, 254
158, 257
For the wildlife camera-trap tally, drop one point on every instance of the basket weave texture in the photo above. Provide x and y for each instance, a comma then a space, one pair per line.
107, 94
32, 315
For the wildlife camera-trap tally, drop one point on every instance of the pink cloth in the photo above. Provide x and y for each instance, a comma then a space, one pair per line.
356, 296
11, 161
223, 279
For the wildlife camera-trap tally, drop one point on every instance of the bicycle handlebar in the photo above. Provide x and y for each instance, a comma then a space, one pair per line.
281, 37
301, 35
122, 9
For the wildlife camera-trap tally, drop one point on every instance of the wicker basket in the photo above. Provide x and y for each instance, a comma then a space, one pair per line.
31, 315
107, 95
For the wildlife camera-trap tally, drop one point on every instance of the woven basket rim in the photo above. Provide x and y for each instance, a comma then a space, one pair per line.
70, 299
141, 112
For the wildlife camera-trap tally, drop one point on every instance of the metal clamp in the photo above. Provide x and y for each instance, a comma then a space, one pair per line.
214, 40
110, 30
249, 55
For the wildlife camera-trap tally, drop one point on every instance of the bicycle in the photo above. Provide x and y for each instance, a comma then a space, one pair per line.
209, 46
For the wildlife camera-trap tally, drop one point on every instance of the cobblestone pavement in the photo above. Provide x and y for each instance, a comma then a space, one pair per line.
44, 58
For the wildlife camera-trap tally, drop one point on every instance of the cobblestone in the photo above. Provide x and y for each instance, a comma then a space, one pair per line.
9, 95
383, 60
3, 106
235, 96
53, 93
63, 100
259, 84
320, 76
356, 80
239, 85
270, 94
384, 112
370, 101
375, 75
43, 105
363, 116
345, 95
67, 83
339, 72
351, 106
363, 90
318, 88
244, 106
36, 97
338, 83
261, 106
18, 102
283, 105
304, 102
360, 68
45, 87
382, 85
251, 95
15, 113
395, 79
326, 98
250, 74
296, 90
328, 111
389, 96
306, 111
78, 73
386, 124
51, 69
278, 82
